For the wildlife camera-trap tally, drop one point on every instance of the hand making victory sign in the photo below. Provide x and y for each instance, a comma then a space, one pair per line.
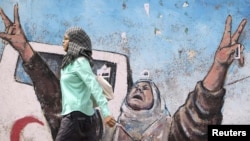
14, 35
229, 44
225, 55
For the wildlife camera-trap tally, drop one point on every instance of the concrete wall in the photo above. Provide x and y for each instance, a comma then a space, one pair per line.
174, 39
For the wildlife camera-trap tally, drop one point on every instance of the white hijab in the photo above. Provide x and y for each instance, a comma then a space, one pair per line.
137, 122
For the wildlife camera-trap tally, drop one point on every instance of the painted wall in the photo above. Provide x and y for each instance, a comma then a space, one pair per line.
175, 40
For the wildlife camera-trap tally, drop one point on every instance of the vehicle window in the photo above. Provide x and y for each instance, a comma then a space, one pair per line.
101, 67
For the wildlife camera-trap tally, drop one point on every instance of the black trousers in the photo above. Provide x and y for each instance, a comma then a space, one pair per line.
77, 126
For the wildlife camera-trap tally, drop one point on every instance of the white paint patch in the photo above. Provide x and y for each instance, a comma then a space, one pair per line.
185, 4
146, 7
124, 37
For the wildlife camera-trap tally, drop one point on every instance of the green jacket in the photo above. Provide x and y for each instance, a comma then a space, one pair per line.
78, 83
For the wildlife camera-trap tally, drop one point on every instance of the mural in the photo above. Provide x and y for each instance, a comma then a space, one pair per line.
150, 108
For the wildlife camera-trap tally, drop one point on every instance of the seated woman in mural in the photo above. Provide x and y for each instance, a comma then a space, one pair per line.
142, 117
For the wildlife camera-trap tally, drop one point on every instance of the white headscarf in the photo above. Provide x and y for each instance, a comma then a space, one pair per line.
137, 122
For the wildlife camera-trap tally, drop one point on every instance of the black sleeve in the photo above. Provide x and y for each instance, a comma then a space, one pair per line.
47, 90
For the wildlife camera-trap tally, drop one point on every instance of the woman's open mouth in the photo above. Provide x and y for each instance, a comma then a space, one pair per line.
138, 97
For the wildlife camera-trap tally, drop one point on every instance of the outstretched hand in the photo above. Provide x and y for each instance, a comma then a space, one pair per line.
13, 31
15, 36
225, 55
229, 44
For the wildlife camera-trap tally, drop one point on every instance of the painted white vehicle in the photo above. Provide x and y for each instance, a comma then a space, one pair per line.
21, 118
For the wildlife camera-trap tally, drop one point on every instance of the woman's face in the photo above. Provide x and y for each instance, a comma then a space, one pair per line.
65, 42
140, 97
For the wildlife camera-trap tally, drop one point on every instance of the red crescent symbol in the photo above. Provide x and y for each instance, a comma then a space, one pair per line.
19, 126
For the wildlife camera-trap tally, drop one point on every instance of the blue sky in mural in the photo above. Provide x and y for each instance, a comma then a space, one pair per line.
170, 31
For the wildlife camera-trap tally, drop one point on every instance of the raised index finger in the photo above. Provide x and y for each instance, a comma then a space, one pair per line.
6, 19
238, 32
16, 15
226, 39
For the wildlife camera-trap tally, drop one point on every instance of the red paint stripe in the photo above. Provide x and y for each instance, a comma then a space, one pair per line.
19, 126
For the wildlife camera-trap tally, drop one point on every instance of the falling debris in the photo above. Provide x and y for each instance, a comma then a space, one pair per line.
124, 37
146, 7
191, 54
185, 4
186, 30
124, 5
157, 31
180, 53
160, 16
